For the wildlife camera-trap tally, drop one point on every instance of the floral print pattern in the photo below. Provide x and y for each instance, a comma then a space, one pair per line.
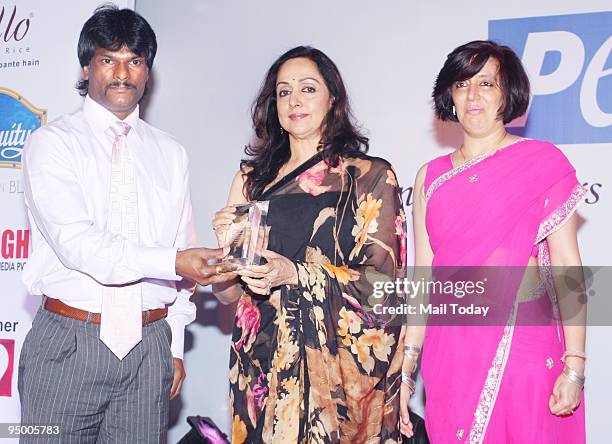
400, 231
365, 221
311, 179
247, 318
313, 363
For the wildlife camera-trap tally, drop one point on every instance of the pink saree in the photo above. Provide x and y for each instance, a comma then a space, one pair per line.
492, 383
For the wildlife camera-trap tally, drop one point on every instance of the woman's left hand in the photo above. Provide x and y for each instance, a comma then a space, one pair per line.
262, 278
408, 368
565, 397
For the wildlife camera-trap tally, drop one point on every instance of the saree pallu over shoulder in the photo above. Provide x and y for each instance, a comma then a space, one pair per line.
314, 362
491, 211
479, 204
563, 211
441, 162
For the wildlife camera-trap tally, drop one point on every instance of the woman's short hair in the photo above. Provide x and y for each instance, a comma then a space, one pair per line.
112, 28
271, 148
466, 61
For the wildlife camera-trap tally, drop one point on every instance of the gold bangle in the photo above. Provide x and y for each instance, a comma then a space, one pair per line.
574, 353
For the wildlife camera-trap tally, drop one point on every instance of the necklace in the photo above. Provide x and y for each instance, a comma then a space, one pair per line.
496, 145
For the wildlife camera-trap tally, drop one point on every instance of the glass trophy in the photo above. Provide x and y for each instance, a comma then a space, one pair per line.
245, 236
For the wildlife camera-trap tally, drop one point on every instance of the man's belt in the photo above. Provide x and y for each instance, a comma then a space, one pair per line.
58, 307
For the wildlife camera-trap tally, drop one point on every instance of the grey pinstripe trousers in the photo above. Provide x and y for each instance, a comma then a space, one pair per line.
67, 376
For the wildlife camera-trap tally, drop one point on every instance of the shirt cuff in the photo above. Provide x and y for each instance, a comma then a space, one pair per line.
177, 326
158, 262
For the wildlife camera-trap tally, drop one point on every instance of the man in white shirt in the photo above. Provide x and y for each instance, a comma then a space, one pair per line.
110, 210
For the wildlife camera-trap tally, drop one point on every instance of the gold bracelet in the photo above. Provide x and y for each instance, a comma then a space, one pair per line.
574, 353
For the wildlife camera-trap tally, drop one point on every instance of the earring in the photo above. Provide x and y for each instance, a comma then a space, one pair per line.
454, 111
282, 131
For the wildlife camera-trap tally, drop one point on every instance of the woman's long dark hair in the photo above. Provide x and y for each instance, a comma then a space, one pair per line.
271, 149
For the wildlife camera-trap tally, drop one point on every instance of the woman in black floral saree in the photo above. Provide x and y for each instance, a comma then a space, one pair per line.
310, 360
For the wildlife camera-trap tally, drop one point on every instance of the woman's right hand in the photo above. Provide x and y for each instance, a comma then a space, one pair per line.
405, 395
221, 223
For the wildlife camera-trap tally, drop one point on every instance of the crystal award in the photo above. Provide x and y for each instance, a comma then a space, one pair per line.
245, 236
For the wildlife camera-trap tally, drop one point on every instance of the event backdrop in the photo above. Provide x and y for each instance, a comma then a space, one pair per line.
213, 57
211, 60
38, 71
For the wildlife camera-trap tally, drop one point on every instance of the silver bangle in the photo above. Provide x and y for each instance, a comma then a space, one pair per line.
574, 376
411, 383
415, 363
412, 349
410, 354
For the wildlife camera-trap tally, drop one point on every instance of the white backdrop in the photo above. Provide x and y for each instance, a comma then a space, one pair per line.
211, 60
38, 62
213, 56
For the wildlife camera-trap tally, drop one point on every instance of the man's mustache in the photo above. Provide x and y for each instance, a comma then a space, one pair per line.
119, 85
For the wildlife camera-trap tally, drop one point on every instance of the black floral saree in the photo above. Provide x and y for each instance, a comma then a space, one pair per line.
315, 363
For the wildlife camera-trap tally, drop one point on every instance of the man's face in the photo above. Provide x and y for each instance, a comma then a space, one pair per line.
117, 79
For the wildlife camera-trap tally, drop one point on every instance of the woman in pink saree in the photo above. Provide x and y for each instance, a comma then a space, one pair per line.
499, 200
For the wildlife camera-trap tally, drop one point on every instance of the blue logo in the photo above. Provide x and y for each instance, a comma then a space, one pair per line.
18, 118
567, 58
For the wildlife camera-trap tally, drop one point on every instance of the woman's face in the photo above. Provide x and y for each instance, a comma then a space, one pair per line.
478, 100
302, 98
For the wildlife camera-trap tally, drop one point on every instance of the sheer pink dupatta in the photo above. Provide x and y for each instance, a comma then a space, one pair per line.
487, 212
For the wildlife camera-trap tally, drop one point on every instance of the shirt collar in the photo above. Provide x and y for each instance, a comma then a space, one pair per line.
100, 119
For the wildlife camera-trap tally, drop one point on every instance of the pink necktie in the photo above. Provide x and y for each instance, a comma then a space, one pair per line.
121, 320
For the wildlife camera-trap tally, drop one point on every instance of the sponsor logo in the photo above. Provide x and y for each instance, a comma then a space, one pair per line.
592, 197
15, 26
7, 360
8, 326
407, 195
593, 192
14, 249
12, 187
568, 61
18, 118
12, 27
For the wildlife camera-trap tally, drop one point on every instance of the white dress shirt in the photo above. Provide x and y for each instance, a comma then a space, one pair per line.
66, 167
